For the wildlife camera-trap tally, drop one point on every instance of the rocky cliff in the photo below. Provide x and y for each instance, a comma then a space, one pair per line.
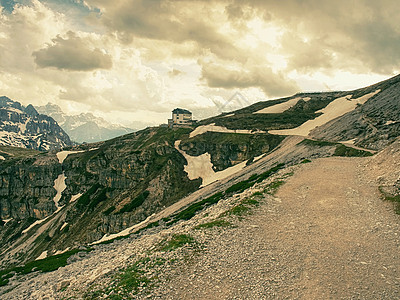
373, 125
24, 127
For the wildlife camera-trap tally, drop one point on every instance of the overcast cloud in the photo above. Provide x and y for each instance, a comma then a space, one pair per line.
72, 53
134, 61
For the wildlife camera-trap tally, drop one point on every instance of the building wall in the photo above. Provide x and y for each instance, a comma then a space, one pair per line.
181, 118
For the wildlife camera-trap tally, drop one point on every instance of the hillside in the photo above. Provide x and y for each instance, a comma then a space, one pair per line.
24, 127
158, 201
85, 127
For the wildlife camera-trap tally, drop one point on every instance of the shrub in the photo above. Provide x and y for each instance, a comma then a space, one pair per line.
109, 210
342, 150
216, 223
176, 241
305, 161
135, 202
189, 212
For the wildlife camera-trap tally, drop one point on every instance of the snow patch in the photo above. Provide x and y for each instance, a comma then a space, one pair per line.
22, 127
62, 155
124, 232
227, 116
34, 224
63, 226
391, 122
7, 220
42, 256
213, 128
75, 197
281, 107
13, 109
258, 157
349, 142
336, 108
61, 251
59, 186
201, 167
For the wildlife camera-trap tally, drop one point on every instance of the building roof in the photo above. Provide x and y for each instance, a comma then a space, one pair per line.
181, 111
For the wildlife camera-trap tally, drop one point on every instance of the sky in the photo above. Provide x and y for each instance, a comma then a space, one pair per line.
132, 62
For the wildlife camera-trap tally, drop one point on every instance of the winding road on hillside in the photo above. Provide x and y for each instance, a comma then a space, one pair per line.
325, 235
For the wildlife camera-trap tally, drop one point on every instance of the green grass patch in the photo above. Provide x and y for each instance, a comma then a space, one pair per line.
240, 187
109, 210
215, 223
273, 187
135, 202
342, 150
257, 194
84, 200
47, 264
191, 211
305, 161
268, 173
245, 184
176, 241
129, 280
4, 276
133, 277
239, 210
244, 207
250, 201
150, 225
315, 143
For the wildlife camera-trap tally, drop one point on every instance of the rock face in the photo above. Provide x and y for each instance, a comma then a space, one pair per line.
85, 127
109, 186
24, 127
26, 192
373, 125
227, 150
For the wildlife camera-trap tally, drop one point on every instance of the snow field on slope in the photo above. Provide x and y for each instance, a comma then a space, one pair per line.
336, 108
213, 128
202, 167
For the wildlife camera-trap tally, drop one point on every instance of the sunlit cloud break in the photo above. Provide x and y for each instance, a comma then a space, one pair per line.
132, 62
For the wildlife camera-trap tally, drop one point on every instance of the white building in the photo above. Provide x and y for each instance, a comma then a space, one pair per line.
180, 118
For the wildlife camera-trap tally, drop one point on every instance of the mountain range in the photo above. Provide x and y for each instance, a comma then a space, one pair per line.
24, 127
85, 127
131, 192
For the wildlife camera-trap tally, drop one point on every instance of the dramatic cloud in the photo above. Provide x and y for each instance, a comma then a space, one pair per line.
257, 76
72, 53
134, 61
358, 35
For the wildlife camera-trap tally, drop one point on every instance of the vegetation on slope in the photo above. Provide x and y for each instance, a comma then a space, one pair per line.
303, 111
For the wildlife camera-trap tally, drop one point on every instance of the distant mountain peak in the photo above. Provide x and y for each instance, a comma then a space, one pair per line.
24, 127
30, 110
84, 127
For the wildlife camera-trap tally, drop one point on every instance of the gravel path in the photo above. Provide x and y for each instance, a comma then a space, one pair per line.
325, 235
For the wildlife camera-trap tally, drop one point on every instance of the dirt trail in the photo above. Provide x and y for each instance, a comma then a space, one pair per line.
326, 235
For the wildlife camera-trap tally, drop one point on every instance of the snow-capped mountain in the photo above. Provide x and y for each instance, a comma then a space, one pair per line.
24, 127
84, 127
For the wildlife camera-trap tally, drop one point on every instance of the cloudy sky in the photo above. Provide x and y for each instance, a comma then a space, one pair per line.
132, 62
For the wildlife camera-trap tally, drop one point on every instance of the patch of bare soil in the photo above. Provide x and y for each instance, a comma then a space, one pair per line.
325, 235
